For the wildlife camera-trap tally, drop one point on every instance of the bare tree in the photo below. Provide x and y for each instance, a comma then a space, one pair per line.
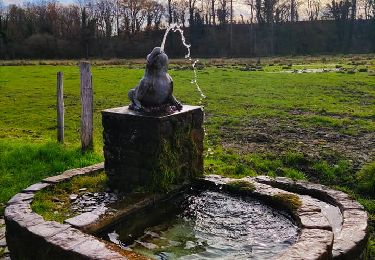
159, 12
213, 12
353, 14
294, 4
180, 9
170, 12
154, 13
223, 12
192, 7
339, 11
251, 4
105, 14
134, 15
313, 9
369, 9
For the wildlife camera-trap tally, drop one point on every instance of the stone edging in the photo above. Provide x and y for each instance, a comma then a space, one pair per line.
30, 236
352, 239
316, 236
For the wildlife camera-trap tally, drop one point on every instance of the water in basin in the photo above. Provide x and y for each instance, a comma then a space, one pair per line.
207, 225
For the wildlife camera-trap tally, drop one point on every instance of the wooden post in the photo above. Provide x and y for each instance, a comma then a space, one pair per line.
60, 107
86, 106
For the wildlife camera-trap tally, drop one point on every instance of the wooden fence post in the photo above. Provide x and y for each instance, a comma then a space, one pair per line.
60, 107
87, 107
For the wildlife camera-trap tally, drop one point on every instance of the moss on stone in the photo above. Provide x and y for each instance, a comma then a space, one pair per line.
53, 203
241, 186
291, 201
171, 166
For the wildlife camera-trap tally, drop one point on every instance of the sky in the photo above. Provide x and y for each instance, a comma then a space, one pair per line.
72, 1
238, 10
21, 1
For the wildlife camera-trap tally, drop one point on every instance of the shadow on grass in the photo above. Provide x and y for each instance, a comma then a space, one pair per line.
22, 164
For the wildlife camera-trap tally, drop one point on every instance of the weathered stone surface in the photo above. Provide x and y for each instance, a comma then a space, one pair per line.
82, 220
352, 240
52, 240
48, 228
3, 242
312, 244
152, 151
314, 220
68, 238
95, 249
2, 232
22, 215
308, 205
35, 187
21, 198
75, 172
343, 200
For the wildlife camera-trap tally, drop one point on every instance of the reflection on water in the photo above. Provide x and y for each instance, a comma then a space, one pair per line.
208, 225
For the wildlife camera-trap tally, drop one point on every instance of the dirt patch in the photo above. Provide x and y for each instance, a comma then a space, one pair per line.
276, 136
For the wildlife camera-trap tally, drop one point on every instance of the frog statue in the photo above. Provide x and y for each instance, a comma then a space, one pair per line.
154, 93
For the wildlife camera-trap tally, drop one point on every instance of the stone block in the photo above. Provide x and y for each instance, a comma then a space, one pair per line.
312, 244
36, 187
21, 198
67, 175
152, 151
82, 220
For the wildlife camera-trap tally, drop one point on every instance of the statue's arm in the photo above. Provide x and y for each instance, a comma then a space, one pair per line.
171, 82
141, 89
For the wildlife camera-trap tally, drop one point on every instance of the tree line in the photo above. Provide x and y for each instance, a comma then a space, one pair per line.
130, 28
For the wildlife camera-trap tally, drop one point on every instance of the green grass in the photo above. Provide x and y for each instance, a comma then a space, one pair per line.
241, 186
53, 203
239, 104
22, 164
289, 201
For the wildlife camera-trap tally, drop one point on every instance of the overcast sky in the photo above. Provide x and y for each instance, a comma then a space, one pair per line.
21, 1
238, 10
72, 1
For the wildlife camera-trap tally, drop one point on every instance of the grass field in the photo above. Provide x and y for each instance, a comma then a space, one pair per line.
316, 126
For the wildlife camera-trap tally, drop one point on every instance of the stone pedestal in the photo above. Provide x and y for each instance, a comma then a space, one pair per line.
152, 152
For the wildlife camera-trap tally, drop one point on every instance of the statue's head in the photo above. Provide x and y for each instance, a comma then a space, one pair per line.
157, 59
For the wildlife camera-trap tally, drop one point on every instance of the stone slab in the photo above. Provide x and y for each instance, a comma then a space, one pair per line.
315, 220
82, 220
22, 215
313, 244
21, 198
95, 249
68, 238
352, 240
126, 112
67, 175
48, 228
35, 187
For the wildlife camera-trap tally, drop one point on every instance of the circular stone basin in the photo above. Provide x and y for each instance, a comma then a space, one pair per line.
206, 225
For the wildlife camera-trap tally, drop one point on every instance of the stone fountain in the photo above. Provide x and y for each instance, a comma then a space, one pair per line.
155, 147
155, 142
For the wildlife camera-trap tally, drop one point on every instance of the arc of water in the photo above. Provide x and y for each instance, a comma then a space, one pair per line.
177, 28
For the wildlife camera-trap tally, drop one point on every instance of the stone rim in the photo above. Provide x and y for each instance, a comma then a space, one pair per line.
315, 241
